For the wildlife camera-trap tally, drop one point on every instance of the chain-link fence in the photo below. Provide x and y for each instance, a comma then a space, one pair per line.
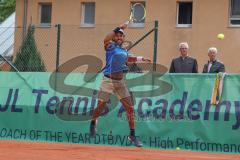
29, 52
58, 44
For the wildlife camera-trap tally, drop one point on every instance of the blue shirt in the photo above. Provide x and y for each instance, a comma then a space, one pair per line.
116, 58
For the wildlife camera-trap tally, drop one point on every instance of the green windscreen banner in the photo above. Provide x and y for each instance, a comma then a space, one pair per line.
172, 111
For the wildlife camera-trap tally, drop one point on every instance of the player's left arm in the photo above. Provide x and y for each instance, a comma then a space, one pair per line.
134, 59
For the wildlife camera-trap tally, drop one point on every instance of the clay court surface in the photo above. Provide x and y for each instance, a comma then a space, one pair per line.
10, 150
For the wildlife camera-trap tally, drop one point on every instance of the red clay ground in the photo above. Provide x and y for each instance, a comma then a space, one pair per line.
15, 150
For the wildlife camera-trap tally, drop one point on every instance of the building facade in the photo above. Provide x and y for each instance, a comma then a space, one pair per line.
85, 23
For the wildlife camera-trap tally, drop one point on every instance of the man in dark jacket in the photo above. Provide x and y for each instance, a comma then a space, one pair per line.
213, 65
184, 63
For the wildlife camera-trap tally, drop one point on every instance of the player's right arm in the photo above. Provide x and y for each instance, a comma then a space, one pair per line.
133, 59
110, 36
108, 39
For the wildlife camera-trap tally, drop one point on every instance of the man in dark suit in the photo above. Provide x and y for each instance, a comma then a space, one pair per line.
213, 65
184, 63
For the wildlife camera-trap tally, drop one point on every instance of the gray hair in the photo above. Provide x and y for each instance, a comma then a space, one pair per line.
183, 44
212, 49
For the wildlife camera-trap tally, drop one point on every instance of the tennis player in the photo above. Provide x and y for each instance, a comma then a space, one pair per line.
113, 80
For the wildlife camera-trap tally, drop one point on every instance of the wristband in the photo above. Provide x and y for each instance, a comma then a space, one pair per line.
139, 58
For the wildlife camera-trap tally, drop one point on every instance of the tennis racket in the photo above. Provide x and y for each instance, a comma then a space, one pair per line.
137, 13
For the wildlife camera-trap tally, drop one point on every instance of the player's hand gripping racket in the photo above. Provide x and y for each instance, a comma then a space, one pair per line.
137, 13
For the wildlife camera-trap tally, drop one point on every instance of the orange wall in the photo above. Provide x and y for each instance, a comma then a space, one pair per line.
210, 17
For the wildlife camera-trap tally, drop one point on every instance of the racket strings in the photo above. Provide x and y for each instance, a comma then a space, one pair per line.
138, 13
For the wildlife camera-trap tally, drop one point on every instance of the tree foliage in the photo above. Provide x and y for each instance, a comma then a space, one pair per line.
28, 58
6, 9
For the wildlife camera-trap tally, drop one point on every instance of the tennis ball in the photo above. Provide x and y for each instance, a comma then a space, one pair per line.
221, 36
178, 148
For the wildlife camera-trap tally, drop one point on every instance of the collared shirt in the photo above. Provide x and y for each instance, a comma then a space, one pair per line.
209, 66
184, 57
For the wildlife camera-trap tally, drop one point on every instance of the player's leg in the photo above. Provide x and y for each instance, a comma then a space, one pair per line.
96, 113
126, 99
128, 105
103, 97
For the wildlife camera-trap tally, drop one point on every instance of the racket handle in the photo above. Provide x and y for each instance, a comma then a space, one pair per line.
127, 22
